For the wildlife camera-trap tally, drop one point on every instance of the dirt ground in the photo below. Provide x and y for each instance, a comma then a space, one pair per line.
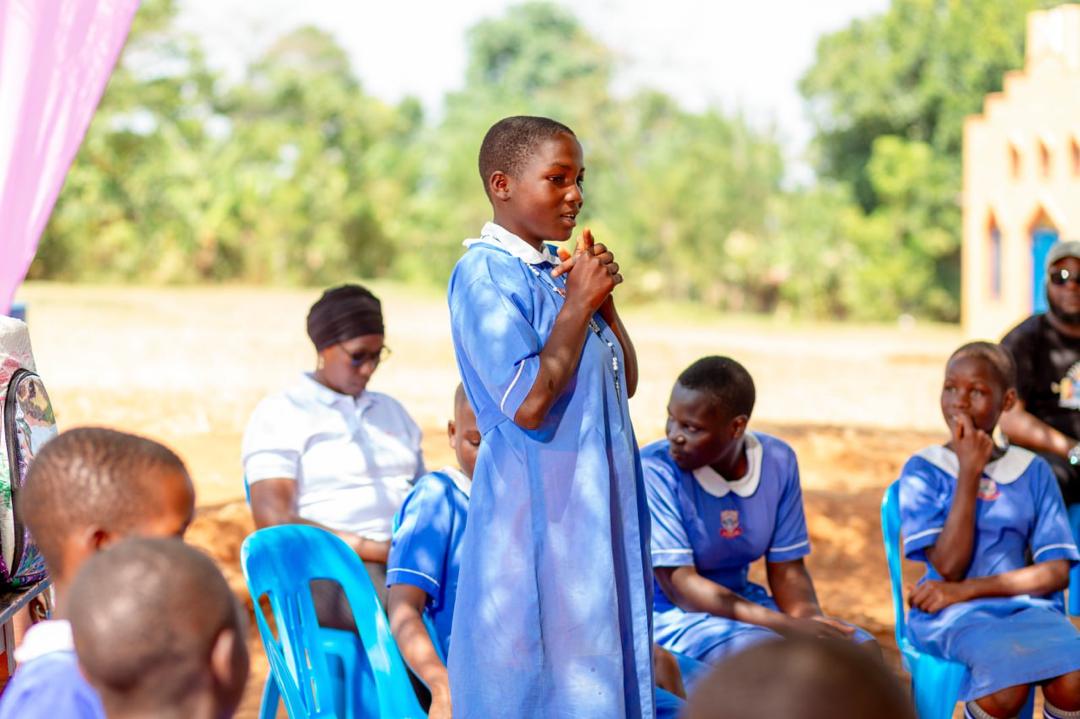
187, 365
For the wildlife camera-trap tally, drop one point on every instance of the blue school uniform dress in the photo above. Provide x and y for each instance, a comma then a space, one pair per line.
553, 603
1004, 641
47, 683
701, 520
426, 547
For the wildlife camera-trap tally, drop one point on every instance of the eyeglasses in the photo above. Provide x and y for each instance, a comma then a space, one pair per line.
1060, 277
359, 359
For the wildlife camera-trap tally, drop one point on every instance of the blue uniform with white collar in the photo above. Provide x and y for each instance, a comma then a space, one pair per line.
699, 519
426, 548
1004, 641
426, 553
554, 594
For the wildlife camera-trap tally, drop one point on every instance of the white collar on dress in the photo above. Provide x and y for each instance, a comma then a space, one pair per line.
497, 235
43, 638
458, 478
1004, 470
327, 396
713, 483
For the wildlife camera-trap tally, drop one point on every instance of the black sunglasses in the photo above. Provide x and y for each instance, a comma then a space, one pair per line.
1060, 277
359, 359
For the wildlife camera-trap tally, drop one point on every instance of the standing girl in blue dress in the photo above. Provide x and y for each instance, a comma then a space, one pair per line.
990, 525
552, 610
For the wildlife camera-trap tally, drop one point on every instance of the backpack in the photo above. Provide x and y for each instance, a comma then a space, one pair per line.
28, 423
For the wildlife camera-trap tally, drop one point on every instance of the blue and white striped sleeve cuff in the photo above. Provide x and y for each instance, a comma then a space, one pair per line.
401, 575
673, 557
1050, 552
518, 389
920, 540
788, 552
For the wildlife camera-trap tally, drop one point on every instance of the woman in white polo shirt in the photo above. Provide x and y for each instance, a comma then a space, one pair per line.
327, 451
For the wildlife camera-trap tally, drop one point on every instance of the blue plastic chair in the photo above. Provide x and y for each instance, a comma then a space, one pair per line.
935, 682
1074, 573
280, 563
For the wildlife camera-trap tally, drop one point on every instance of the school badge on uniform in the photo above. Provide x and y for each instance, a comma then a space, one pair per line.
729, 524
988, 490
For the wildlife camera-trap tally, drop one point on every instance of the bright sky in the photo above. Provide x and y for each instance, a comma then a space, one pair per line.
730, 53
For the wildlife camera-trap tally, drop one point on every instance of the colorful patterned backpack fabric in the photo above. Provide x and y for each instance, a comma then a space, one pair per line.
28, 423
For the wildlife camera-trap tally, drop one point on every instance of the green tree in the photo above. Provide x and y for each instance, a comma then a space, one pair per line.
888, 96
136, 186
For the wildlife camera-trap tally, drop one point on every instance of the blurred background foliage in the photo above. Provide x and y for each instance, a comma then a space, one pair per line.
295, 175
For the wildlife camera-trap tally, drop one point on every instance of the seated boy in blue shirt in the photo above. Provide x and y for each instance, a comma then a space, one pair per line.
87, 489
422, 571
721, 497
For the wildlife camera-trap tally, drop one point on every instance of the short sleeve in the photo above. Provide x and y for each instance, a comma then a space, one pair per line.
790, 539
50, 685
494, 335
270, 445
670, 545
419, 548
1051, 538
924, 506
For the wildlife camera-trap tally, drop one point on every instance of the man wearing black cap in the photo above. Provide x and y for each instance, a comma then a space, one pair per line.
1046, 347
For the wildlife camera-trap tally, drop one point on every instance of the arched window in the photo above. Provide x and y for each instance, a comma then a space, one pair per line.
993, 254
1044, 160
1014, 162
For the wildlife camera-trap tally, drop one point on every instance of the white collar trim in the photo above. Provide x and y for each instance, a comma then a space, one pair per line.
504, 239
43, 638
713, 483
459, 479
317, 390
1006, 469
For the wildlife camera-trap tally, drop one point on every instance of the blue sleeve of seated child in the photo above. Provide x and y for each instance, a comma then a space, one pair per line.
50, 687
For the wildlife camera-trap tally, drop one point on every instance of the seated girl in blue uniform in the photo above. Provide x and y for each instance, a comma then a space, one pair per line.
423, 572
721, 498
991, 527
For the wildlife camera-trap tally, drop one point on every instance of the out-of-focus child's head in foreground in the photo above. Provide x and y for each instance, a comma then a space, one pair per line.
158, 632
800, 678
91, 486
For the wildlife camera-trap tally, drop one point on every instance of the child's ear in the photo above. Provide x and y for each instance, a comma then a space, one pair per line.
451, 434
229, 663
738, 426
1009, 400
98, 539
499, 185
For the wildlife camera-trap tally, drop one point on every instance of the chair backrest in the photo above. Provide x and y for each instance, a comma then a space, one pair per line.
890, 532
280, 563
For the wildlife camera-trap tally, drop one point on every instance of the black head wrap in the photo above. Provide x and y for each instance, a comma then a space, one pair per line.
343, 313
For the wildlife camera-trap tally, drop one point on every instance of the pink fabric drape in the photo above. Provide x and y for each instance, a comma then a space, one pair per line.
55, 59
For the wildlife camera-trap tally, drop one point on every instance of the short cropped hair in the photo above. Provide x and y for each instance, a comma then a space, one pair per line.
511, 141
801, 678
145, 615
999, 358
725, 381
93, 476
